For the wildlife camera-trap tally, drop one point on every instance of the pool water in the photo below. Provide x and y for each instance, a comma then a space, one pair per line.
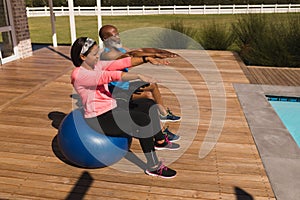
288, 109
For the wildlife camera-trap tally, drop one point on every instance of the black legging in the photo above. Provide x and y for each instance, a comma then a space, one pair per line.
145, 125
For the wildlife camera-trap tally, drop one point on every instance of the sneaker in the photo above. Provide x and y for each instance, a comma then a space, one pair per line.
166, 145
169, 117
171, 136
162, 171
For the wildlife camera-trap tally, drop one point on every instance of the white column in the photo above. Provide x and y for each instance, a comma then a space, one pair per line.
72, 21
52, 16
99, 21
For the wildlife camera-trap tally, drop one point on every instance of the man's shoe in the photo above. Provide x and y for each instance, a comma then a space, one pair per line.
171, 136
162, 171
170, 117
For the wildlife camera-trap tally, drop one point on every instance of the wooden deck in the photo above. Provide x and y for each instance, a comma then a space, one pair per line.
271, 75
35, 96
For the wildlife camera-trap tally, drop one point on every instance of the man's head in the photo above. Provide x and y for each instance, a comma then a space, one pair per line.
110, 36
107, 31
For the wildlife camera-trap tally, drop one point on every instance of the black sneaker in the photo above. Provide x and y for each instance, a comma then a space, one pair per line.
171, 136
166, 145
162, 171
170, 117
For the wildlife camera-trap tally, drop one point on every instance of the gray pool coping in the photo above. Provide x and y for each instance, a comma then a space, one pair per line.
278, 150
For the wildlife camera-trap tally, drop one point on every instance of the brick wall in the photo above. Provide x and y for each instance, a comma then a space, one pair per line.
21, 28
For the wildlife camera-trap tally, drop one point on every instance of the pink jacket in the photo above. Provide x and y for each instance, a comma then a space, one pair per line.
92, 86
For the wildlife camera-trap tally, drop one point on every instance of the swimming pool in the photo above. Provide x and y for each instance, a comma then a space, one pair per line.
288, 110
277, 148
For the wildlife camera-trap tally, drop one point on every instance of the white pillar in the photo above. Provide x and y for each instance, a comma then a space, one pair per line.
72, 21
52, 16
99, 20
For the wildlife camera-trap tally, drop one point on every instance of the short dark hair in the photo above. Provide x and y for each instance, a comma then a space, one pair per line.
76, 50
103, 29
101, 33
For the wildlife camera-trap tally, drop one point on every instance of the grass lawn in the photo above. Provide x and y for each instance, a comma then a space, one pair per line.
40, 27
132, 28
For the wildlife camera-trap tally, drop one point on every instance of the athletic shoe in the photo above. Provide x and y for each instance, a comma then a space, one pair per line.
170, 117
166, 145
162, 171
171, 136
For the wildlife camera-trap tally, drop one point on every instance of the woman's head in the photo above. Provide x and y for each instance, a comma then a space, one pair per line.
80, 49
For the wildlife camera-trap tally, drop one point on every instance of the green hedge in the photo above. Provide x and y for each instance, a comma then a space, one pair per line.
269, 41
216, 36
265, 40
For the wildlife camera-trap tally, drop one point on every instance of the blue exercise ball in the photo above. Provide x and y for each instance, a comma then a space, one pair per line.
85, 147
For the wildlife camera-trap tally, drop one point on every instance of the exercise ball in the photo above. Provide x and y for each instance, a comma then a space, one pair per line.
85, 147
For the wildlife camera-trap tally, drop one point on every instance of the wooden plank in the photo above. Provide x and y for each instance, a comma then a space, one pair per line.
274, 75
31, 168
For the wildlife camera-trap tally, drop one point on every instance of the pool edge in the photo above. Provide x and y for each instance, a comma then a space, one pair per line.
279, 152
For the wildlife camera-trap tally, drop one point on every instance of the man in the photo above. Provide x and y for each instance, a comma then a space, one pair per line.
113, 50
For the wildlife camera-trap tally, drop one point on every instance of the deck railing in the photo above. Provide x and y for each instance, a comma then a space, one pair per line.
158, 10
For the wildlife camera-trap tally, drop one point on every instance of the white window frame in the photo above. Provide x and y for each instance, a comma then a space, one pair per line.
10, 28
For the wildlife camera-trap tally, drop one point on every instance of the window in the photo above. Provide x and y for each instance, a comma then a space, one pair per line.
7, 44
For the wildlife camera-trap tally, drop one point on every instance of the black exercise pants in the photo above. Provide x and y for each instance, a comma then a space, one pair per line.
140, 120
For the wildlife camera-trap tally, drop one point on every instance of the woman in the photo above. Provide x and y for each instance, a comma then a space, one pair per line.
139, 119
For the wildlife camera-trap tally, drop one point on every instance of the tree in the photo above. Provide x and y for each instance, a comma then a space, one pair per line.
84, 2
29, 3
36, 3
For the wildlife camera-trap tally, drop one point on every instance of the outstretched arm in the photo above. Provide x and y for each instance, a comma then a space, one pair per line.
112, 55
128, 76
152, 52
144, 59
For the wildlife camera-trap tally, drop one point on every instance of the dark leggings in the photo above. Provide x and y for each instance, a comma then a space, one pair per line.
140, 121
